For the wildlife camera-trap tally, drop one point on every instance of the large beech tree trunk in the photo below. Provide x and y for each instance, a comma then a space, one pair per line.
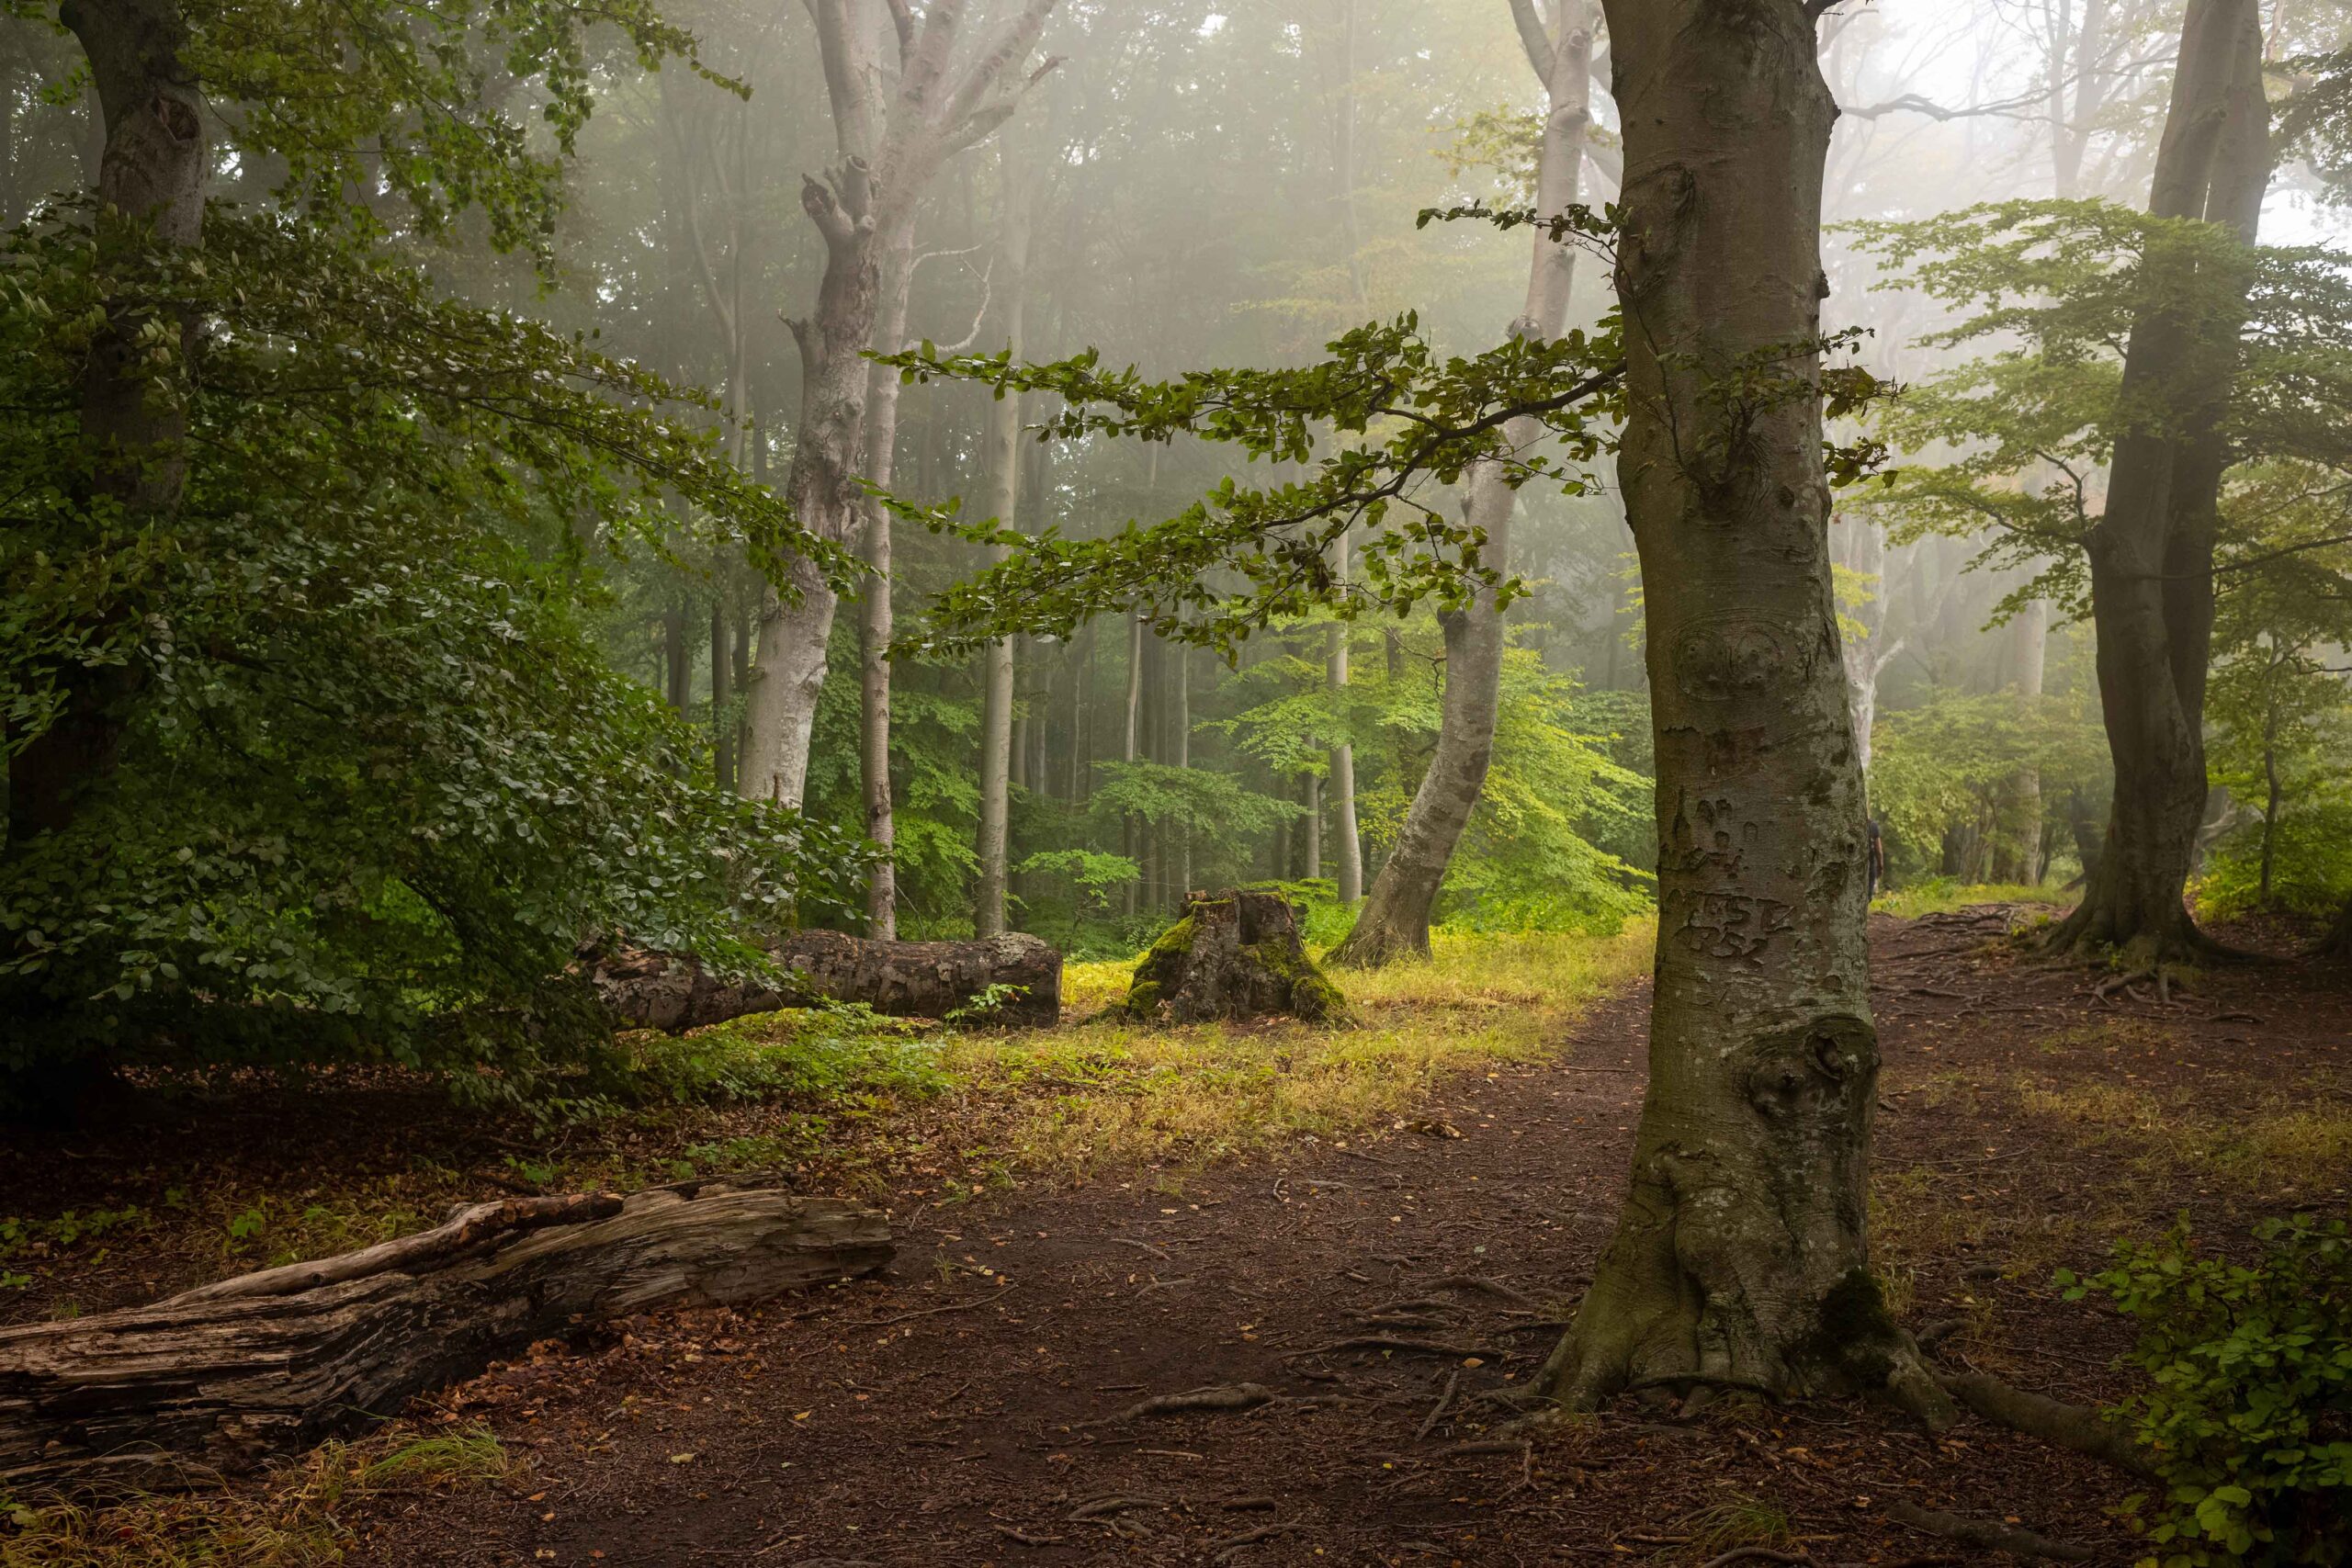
150, 193
645, 989
1395, 918
219, 1379
1740, 1259
2151, 553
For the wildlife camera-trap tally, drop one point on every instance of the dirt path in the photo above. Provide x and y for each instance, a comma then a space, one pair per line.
964, 1408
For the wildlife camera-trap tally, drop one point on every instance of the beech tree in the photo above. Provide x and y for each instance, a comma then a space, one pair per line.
1742, 1259
894, 130
1396, 917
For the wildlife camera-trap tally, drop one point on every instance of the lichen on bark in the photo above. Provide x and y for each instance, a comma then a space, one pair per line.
1742, 1260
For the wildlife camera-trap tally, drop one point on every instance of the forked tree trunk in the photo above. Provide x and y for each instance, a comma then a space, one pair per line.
1395, 918
1741, 1260
893, 132
217, 1381
2151, 553
151, 192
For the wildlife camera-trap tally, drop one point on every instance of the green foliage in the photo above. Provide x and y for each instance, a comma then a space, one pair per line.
371, 94
1950, 763
1090, 877
376, 782
2017, 438
835, 1056
1407, 420
2248, 1417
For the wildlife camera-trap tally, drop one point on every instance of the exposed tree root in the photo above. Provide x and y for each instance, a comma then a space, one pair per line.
1231, 1547
2076, 1428
1990, 1535
1218, 1397
1471, 1285
1410, 1347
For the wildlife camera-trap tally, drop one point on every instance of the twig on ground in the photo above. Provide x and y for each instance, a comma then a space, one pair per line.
934, 1312
1411, 1347
1763, 1553
1161, 1253
1989, 1535
1438, 1410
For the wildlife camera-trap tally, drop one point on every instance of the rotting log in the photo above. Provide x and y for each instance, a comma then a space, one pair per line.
646, 988
1234, 954
216, 1380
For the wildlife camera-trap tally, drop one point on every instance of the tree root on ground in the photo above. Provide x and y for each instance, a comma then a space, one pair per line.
1989, 1535
1218, 1397
2075, 1427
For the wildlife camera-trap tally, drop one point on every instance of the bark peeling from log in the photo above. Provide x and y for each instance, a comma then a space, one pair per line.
222, 1379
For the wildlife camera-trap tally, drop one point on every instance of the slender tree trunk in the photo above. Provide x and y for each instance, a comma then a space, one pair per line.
2271, 780
1132, 842
876, 626
677, 664
1740, 1260
1347, 836
1395, 918
1004, 469
1183, 760
722, 756
151, 192
2151, 553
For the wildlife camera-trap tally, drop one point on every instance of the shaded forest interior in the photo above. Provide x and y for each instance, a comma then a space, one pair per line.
821, 780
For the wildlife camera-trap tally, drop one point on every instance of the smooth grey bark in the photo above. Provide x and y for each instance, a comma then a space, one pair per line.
2152, 552
875, 620
1395, 922
1016, 186
893, 133
1347, 833
1741, 1259
151, 192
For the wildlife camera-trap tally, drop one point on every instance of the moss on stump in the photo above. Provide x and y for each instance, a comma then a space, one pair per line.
1233, 954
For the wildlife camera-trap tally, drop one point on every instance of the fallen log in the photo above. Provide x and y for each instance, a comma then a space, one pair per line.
645, 989
215, 1382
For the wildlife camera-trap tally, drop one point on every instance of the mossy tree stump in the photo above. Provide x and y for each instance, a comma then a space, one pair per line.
1233, 954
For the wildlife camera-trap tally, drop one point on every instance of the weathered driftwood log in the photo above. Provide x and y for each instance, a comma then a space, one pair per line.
1233, 954
643, 988
218, 1380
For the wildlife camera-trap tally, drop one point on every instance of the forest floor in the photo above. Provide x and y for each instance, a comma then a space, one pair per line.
964, 1407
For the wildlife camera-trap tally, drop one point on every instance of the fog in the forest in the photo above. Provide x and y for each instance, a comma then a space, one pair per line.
1183, 187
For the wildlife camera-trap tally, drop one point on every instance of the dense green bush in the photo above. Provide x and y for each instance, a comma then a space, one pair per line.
2248, 1414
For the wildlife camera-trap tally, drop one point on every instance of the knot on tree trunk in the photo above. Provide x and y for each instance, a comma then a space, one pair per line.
1233, 954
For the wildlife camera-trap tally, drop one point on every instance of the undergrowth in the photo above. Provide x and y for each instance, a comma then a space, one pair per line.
286, 1521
